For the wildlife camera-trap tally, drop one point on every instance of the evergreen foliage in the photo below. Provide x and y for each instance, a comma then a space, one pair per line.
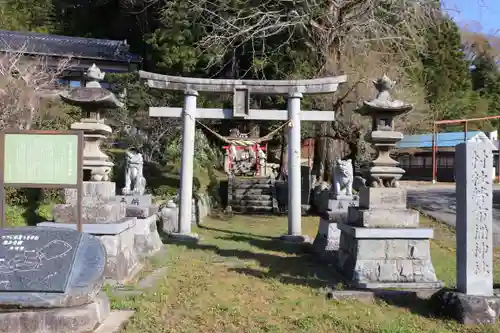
169, 34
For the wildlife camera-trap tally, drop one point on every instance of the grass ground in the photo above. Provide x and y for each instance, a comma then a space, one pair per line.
238, 279
19, 216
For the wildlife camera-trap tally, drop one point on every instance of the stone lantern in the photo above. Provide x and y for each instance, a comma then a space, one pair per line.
94, 101
381, 244
384, 171
98, 191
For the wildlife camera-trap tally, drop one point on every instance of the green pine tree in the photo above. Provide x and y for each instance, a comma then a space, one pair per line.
27, 15
446, 70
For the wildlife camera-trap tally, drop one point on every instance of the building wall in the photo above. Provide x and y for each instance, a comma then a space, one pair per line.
419, 166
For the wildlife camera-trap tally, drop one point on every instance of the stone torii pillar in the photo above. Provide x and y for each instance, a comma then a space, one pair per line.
188, 137
294, 181
241, 90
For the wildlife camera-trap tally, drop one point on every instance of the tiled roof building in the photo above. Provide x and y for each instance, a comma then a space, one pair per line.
64, 46
109, 55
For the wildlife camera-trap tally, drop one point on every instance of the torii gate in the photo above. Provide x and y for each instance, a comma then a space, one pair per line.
241, 90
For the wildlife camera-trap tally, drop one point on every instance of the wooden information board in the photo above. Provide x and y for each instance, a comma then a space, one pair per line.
41, 159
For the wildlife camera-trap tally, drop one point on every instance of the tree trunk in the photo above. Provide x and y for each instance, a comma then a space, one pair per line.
253, 129
283, 173
321, 152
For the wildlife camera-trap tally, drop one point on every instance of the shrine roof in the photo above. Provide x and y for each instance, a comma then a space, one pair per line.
65, 46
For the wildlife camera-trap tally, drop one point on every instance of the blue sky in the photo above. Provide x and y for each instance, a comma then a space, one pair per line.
483, 15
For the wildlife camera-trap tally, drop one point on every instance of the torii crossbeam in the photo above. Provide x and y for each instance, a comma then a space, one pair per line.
241, 90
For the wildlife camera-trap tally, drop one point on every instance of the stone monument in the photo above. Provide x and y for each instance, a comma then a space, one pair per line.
123, 229
381, 244
326, 243
474, 301
50, 281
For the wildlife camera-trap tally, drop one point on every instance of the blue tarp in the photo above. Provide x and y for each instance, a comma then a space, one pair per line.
443, 140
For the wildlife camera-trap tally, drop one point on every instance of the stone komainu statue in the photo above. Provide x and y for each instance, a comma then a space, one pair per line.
135, 183
343, 176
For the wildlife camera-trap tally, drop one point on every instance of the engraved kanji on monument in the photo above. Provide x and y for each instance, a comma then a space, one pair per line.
474, 224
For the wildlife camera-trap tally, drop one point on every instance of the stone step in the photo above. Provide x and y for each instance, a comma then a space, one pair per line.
252, 209
252, 191
246, 203
252, 186
260, 197
255, 180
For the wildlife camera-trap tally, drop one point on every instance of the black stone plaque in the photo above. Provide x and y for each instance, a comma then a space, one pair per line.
37, 259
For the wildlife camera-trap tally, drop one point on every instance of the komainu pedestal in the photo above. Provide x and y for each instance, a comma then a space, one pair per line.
326, 243
381, 245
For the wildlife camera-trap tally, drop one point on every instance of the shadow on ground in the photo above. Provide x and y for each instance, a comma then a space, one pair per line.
290, 264
292, 267
408, 300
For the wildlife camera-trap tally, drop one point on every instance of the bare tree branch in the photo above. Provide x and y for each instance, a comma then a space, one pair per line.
329, 27
24, 83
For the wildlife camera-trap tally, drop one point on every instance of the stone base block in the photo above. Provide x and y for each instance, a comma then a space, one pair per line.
95, 212
341, 204
147, 240
122, 261
392, 285
382, 198
386, 258
98, 190
78, 319
141, 212
337, 217
386, 218
295, 238
144, 200
326, 243
466, 309
96, 229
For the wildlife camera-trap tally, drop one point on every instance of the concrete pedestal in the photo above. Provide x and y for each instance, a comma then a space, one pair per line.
326, 242
97, 206
147, 241
126, 225
122, 262
387, 258
126, 243
381, 245
78, 319
100, 190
